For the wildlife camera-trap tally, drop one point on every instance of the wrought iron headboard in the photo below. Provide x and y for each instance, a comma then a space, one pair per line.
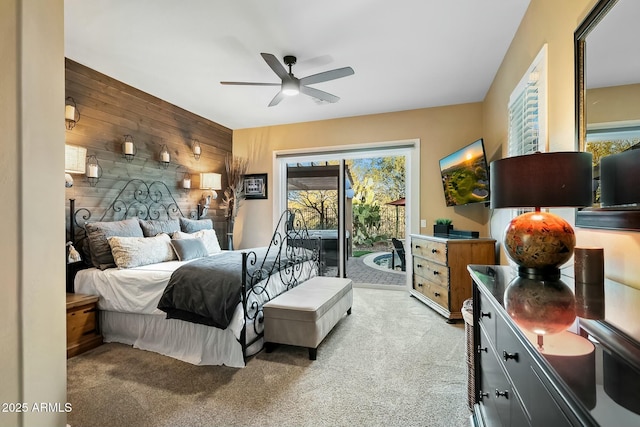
137, 199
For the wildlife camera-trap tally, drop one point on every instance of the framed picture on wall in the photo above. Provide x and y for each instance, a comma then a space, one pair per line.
255, 186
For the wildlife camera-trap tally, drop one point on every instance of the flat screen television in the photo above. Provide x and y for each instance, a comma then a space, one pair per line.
465, 175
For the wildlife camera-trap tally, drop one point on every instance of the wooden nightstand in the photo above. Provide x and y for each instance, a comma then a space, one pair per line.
82, 324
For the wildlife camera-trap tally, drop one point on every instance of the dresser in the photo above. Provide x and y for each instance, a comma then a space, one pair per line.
588, 375
440, 276
82, 324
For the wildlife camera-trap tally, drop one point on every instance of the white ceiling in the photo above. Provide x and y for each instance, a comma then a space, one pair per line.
406, 54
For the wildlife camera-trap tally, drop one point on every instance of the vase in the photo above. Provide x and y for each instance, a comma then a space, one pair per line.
442, 229
230, 225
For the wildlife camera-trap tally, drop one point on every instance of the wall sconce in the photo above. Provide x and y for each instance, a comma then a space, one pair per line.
165, 157
74, 162
71, 113
129, 149
211, 182
197, 150
94, 171
186, 182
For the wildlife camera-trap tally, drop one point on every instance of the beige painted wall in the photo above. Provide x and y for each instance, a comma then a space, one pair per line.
32, 296
440, 130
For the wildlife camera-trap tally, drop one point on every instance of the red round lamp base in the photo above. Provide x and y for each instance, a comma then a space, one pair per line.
539, 240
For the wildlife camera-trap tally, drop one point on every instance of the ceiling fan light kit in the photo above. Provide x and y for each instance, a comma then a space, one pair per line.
291, 85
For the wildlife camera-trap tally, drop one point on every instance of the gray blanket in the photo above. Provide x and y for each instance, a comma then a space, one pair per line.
207, 290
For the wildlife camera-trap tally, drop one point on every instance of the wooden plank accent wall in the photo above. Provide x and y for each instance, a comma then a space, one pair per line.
110, 109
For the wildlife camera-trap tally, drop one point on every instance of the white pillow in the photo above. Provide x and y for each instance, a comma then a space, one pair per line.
209, 238
131, 252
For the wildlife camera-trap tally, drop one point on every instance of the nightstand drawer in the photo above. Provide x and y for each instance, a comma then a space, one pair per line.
82, 324
431, 250
81, 321
435, 273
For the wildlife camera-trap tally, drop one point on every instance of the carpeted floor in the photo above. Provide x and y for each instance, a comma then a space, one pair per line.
393, 362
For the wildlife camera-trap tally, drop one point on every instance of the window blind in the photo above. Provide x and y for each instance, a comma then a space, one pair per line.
527, 113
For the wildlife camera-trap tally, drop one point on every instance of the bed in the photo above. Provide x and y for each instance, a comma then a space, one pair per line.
142, 292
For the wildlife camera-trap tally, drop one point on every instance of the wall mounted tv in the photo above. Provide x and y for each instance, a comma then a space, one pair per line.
465, 175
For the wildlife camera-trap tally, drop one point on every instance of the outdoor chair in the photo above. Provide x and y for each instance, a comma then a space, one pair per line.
398, 246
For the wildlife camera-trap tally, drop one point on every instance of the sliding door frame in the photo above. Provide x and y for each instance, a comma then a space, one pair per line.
409, 148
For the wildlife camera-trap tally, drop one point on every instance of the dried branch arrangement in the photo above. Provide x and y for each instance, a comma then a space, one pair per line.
234, 194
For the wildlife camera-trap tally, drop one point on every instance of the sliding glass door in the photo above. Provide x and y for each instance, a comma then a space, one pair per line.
313, 191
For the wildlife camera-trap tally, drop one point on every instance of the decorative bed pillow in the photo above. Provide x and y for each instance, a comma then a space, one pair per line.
192, 225
209, 238
131, 252
153, 227
99, 232
187, 249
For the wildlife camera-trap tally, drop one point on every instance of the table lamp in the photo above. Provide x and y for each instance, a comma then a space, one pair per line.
540, 242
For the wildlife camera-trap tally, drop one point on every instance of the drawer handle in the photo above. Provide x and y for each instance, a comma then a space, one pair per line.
487, 314
506, 356
434, 251
417, 246
418, 265
435, 273
483, 394
437, 294
485, 349
504, 394
419, 285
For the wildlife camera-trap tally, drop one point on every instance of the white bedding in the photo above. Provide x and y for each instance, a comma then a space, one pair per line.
129, 314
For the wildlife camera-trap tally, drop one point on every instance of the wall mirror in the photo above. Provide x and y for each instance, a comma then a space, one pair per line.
607, 66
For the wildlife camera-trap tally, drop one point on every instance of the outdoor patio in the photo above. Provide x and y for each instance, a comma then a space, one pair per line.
361, 271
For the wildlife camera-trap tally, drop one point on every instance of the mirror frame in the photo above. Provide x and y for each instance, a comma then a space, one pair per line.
615, 218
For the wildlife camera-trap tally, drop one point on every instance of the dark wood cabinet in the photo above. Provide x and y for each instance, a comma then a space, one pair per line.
519, 383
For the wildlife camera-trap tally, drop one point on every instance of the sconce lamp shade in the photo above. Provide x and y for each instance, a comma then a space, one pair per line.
94, 171
165, 156
539, 242
196, 148
186, 181
619, 175
210, 181
71, 113
74, 159
129, 149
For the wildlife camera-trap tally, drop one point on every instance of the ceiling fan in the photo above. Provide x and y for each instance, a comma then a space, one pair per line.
291, 85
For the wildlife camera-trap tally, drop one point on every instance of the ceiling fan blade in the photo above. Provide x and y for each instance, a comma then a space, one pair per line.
250, 84
320, 94
276, 99
327, 75
275, 65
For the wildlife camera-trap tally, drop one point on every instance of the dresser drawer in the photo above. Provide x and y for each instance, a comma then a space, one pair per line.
428, 249
515, 358
433, 291
431, 271
487, 317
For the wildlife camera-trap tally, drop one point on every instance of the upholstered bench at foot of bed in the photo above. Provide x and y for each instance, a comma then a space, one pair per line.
304, 315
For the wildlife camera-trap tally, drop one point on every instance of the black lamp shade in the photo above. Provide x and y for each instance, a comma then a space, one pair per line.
557, 179
620, 178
